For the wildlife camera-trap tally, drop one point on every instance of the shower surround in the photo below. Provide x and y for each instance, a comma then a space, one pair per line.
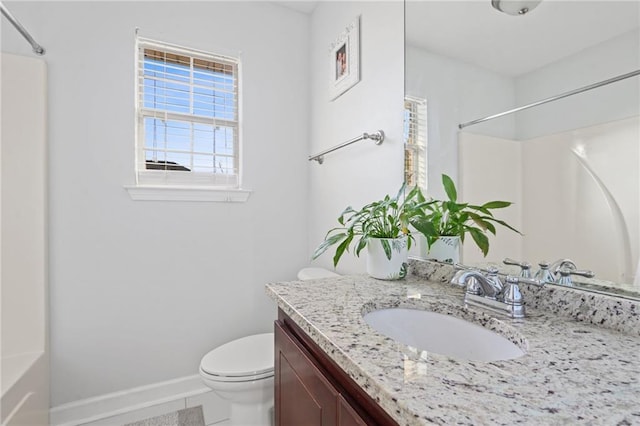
576, 195
23, 234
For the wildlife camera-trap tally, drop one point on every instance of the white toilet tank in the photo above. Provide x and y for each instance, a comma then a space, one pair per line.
315, 273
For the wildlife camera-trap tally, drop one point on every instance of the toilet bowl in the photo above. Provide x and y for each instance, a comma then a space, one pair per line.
241, 371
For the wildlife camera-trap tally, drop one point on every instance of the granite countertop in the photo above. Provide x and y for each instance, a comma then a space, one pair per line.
573, 372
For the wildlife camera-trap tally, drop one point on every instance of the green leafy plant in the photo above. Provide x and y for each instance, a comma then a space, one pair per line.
451, 218
386, 218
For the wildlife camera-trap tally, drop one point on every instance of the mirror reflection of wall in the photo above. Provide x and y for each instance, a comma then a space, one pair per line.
570, 166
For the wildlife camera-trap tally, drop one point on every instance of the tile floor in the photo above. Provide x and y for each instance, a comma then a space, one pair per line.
191, 416
215, 410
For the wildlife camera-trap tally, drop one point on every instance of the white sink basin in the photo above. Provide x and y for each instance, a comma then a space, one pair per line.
442, 334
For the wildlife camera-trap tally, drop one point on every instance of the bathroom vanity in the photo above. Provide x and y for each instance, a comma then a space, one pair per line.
311, 389
580, 362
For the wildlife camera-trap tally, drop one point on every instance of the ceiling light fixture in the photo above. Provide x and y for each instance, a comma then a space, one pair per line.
515, 7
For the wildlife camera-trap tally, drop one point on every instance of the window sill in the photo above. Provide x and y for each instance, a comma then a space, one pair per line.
187, 193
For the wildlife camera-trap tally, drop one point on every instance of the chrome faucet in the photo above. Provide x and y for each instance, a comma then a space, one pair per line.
478, 284
489, 291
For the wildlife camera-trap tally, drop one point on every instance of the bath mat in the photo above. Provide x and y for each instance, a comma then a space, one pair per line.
188, 417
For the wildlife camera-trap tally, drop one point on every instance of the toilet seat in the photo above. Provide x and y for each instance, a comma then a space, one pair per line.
235, 379
246, 359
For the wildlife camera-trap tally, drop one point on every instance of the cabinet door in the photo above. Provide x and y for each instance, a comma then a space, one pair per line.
303, 396
311, 389
347, 416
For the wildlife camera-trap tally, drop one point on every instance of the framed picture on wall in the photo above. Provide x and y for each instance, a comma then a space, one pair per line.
344, 60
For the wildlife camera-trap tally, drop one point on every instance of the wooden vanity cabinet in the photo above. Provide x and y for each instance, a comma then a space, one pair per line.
310, 388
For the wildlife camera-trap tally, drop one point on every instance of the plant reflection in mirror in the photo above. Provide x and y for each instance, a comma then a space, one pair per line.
451, 218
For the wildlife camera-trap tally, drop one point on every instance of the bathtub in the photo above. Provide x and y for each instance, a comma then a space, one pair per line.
25, 390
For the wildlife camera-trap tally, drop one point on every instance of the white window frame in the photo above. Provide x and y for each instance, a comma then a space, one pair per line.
415, 141
415, 159
185, 185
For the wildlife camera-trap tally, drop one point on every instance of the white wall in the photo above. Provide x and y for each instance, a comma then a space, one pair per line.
141, 290
361, 172
456, 92
603, 61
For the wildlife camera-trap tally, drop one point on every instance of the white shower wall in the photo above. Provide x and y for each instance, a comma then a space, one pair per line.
567, 212
23, 261
490, 170
576, 193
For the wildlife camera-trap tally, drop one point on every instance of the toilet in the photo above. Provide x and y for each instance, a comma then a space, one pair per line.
241, 371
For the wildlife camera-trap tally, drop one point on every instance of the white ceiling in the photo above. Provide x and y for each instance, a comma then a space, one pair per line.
474, 32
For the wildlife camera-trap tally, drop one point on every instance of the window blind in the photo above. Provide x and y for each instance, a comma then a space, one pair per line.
188, 116
415, 141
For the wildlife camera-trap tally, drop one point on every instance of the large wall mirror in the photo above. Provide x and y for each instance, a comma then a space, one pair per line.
571, 166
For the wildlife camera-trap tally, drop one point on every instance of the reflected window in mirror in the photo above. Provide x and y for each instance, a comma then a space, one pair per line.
415, 142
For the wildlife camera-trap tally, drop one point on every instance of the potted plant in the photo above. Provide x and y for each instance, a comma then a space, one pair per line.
446, 222
383, 228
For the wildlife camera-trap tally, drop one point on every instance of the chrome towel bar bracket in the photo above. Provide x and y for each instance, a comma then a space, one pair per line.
377, 137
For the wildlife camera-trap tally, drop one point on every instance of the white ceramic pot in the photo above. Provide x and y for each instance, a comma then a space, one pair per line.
383, 268
445, 249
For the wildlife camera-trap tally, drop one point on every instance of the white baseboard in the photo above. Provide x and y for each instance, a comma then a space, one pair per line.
113, 404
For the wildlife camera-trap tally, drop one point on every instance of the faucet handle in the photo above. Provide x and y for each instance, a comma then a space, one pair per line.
584, 273
525, 267
461, 267
533, 281
511, 292
562, 263
565, 275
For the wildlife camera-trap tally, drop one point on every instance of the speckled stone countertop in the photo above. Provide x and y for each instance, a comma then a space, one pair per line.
573, 372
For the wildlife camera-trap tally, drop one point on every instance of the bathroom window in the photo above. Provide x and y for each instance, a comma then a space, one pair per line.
188, 128
415, 142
